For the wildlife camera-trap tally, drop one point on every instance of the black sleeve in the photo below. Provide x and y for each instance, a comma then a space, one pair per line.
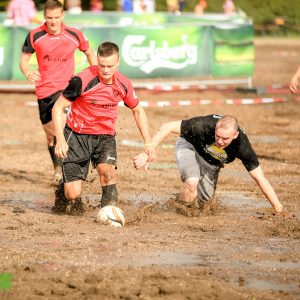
246, 153
27, 47
74, 89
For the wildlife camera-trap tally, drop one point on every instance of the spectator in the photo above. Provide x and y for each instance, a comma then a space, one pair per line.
181, 5
173, 6
21, 13
96, 5
200, 7
228, 7
139, 6
149, 6
126, 5
74, 7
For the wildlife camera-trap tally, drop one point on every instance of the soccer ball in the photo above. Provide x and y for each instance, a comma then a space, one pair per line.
111, 215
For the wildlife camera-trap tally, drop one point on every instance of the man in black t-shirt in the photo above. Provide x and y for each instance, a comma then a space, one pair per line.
204, 145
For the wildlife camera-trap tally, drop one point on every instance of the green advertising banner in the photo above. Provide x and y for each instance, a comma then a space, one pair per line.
6, 53
160, 49
233, 50
157, 52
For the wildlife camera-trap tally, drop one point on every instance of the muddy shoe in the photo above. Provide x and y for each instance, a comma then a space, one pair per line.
56, 178
76, 207
188, 209
61, 202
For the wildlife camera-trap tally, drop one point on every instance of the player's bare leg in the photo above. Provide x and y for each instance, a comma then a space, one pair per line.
188, 191
107, 178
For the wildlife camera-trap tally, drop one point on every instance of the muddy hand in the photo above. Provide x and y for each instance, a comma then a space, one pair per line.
150, 151
34, 76
141, 161
285, 214
61, 150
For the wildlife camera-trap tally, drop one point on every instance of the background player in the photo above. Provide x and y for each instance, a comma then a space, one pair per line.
54, 44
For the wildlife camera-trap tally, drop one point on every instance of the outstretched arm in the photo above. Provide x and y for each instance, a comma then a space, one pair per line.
164, 131
259, 177
142, 159
58, 117
294, 85
142, 124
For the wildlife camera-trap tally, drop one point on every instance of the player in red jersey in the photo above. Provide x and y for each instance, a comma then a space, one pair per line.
89, 135
54, 44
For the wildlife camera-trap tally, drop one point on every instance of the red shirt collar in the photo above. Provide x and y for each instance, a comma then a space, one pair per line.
44, 27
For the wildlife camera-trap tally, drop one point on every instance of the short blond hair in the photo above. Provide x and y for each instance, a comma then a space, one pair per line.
227, 122
53, 4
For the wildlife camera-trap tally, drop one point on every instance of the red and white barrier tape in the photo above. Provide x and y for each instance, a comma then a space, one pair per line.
170, 87
243, 101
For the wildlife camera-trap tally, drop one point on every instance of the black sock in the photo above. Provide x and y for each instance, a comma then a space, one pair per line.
55, 160
109, 195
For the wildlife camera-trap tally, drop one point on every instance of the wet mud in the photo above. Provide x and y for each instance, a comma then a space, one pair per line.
236, 248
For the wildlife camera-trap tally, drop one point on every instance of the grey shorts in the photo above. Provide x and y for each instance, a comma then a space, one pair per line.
86, 148
192, 165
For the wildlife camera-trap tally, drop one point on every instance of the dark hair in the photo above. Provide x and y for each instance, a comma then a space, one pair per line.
53, 4
107, 49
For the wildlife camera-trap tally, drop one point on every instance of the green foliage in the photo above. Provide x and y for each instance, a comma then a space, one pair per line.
110, 5
261, 11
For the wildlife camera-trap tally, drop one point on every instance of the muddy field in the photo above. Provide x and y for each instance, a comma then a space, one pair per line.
237, 249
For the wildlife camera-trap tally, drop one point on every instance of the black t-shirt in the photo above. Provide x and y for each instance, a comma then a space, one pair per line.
200, 132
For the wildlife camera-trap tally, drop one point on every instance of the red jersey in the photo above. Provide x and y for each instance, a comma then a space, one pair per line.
55, 56
94, 103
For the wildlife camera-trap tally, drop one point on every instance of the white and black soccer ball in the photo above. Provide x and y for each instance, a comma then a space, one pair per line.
111, 215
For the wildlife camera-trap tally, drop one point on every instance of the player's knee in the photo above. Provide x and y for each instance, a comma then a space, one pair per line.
107, 175
191, 185
72, 193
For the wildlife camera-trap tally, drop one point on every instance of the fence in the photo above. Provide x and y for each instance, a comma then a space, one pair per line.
156, 45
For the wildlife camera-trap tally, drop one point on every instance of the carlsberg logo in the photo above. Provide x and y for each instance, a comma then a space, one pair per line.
148, 58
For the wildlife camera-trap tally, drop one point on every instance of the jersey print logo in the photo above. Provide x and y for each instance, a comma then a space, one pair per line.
216, 152
54, 59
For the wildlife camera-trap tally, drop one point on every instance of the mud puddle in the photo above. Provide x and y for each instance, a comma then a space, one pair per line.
259, 284
41, 202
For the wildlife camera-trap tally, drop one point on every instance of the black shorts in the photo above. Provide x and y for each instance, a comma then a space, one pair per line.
45, 107
86, 148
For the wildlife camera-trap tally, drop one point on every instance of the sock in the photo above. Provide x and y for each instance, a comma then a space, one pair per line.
109, 195
55, 160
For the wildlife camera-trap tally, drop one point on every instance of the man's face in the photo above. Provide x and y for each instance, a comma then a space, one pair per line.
107, 67
224, 136
54, 19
